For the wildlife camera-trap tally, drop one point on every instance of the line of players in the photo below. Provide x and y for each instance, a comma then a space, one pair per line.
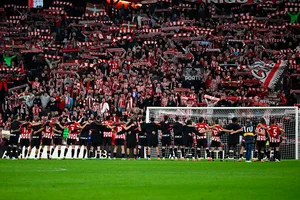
96, 135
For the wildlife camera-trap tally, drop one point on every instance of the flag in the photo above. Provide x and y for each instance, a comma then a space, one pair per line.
94, 9
129, 25
269, 74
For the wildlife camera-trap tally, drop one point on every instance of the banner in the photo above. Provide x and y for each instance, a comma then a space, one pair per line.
192, 74
103, 155
269, 74
93, 9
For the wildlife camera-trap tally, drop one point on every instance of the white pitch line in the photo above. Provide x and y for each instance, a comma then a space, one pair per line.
34, 170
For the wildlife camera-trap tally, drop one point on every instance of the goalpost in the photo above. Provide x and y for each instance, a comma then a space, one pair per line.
286, 117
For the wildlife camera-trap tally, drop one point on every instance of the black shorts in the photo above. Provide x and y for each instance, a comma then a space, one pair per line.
202, 143
83, 141
261, 144
215, 144
71, 141
24, 142
166, 141
143, 142
96, 143
131, 144
188, 142
46, 141
13, 140
152, 142
36, 142
107, 140
119, 142
178, 141
57, 141
274, 144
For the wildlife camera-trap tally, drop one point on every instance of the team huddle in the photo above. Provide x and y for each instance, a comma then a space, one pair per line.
97, 136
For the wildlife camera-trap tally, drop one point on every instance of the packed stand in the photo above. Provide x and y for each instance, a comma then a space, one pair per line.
99, 60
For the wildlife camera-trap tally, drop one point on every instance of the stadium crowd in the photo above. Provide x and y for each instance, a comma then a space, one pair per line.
117, 60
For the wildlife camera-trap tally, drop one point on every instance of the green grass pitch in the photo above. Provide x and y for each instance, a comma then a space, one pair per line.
117, 179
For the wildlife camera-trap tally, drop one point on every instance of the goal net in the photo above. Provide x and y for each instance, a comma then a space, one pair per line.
286, 117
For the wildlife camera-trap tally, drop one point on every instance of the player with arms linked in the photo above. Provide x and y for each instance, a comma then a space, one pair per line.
47, 136
248, 132
216, 132
142, 138
36, 137
25, 138
261, 140
188, 131
275, 133
57, 136
15, 131
233, 140
107, 137
96, 131
166, 141
131, 138
202, 128
120, 139
83, 137
74, 130
152, 137
178, 137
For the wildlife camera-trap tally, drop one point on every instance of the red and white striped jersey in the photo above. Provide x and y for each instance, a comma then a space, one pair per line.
36, 85
261, 133
36, 110
25, 131
120, 129
274, 133
73, 130
47, 132
129, 102
107, 134
114, 65
183, 99
193, 96
201, 127
121, 102
215, 133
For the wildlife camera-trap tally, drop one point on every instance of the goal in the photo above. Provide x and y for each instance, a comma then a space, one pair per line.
286, 117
